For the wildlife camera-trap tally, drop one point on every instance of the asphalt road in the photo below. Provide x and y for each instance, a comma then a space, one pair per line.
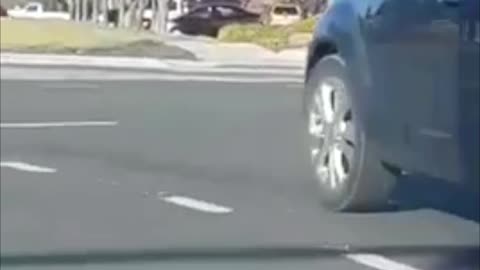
133, 174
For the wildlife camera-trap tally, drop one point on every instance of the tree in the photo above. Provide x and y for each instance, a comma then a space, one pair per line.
139, 14
77, 10
84, 10
71, 8
121, 13
94, 11
159, 23
104, 10
131, 12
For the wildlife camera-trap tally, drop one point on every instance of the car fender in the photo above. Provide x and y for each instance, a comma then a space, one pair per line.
340, 26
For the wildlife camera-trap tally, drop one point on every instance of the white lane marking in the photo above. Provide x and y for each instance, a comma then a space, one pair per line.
21, 166
378, 262
58, 124
195, 204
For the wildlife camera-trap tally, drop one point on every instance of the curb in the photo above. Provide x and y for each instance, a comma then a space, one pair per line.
129, 62
93, 61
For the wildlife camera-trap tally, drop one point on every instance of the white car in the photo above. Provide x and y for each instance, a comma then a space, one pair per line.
36, 10
284, 14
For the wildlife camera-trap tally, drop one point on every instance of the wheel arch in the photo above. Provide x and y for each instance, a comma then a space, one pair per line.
318, 51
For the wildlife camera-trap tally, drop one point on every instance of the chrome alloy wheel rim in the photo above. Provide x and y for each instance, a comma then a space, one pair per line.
331, 129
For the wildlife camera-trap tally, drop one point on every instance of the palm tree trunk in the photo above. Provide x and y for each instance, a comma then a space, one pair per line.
104, 11
154, 25
121, 13
94, 18
84, 10
131, 13
160, 16
71, 9
77, 10
139, 14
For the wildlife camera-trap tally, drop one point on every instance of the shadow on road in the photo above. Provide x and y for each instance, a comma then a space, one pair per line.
232, 254
416, 192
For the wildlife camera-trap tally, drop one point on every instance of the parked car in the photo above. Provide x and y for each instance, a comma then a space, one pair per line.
392, 88
209, 18
36, 10
283, 14
192, 4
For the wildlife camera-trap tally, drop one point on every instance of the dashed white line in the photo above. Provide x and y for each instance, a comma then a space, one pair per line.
21, 166
58, 124
195, 204
378, 262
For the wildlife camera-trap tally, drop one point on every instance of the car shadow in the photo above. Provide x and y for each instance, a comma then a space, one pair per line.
414, 192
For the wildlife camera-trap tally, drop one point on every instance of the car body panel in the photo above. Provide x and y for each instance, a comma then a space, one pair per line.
208, 19
405, 59
469, 85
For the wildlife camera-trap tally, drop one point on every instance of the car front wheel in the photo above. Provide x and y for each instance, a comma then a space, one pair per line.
349, 175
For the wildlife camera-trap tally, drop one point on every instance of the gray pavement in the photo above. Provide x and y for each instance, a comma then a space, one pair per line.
236, 145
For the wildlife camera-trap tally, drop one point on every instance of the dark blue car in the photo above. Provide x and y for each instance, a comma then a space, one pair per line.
392, 87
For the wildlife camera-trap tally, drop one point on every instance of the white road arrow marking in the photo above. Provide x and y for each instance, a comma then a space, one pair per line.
378, 262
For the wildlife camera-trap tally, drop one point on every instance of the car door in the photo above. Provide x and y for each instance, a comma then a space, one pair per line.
230, 15
217, 20
413, 48
195, 22
469, 87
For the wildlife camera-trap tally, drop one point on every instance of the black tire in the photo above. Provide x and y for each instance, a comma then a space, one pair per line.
368, 184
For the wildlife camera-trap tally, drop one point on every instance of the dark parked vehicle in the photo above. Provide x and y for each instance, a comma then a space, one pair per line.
208, 19
192, 4
392, 87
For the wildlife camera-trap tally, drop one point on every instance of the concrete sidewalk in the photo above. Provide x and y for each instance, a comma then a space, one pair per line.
211, 50
133, 63
209, 53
